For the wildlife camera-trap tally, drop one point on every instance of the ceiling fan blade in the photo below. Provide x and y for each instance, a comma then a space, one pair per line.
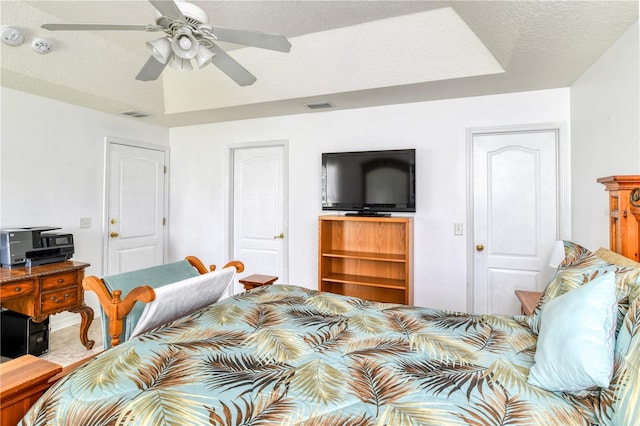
151, 70
231, 67
252, 38
100, 27
168, 8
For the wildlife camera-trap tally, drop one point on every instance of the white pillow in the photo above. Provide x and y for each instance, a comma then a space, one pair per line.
577, 338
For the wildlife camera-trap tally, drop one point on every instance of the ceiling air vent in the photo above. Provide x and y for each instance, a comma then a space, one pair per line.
135, 114
319, 105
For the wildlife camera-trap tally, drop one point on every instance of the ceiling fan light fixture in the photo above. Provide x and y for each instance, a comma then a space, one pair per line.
161, 49
187, 35
184, 44
204, 56
181, 64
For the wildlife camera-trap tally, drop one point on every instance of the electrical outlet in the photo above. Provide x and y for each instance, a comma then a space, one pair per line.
85, 222
457, 229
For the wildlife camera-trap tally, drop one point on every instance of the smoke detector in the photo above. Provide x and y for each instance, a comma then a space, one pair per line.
12, 36
41, 45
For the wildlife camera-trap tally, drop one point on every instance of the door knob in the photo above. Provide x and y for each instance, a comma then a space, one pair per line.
281, 236
479, 247
114, 235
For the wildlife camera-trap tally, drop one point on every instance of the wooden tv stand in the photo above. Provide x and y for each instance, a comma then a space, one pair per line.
366, 257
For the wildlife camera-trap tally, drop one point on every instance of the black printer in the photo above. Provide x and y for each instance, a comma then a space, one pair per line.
34, 246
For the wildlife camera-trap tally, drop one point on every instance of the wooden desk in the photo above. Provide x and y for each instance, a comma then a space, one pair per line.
44, 290
528, 300
22, 381
257, 280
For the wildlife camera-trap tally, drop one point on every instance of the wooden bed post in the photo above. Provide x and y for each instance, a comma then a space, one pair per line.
115, 308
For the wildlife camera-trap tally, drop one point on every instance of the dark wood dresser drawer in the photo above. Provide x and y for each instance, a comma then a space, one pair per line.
53, 282
59, 300
16, 289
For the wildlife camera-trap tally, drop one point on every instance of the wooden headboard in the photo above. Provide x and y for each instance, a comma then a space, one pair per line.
624, 214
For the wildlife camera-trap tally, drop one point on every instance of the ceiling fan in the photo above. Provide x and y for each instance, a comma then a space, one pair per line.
188, 36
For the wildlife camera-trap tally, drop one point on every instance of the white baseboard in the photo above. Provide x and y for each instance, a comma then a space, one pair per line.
63, 320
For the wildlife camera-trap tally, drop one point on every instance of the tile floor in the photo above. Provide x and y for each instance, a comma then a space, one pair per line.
65, 347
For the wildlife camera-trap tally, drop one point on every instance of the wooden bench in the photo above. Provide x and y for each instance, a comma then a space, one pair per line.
116, 308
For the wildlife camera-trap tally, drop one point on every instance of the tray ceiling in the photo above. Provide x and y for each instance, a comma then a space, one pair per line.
350, 53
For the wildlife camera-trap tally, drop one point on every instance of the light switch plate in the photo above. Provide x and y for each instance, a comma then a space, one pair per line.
457, 229
85, 222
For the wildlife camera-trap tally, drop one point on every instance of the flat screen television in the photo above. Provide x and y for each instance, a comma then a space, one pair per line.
369, 182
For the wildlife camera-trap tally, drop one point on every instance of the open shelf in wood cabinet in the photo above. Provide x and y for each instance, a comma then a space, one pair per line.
367, 257
366, 281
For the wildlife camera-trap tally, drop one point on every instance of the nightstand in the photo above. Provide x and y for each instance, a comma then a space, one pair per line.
528, 300
257, 280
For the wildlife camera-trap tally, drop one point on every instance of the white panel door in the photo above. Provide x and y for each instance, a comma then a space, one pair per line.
259, 214
515, 215
135, 228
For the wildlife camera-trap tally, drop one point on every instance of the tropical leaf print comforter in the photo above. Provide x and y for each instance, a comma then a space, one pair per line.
285, 355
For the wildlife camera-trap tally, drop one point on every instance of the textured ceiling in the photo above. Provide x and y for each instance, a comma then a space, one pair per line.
350, 53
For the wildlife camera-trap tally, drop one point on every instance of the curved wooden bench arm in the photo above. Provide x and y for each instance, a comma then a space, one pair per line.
197, 263
116, 308
235, 263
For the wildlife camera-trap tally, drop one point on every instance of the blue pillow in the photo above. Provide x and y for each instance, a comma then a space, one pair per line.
577, 338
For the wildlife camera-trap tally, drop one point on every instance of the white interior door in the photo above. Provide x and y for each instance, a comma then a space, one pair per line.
515, 215
259, 213
135, 210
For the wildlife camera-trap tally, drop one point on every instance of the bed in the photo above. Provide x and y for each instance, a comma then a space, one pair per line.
287, 355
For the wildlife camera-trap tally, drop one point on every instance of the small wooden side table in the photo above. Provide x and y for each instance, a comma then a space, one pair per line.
23, 380
257, 280
528, 300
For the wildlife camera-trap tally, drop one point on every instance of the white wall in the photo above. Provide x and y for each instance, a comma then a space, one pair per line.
52, 160
605, 131
52, 169
199, 183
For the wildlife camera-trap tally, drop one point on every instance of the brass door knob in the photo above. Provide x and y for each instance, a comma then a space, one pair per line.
479, 247
114, 235
281, 236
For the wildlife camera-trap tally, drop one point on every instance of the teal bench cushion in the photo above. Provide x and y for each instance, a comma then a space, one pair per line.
154, 277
